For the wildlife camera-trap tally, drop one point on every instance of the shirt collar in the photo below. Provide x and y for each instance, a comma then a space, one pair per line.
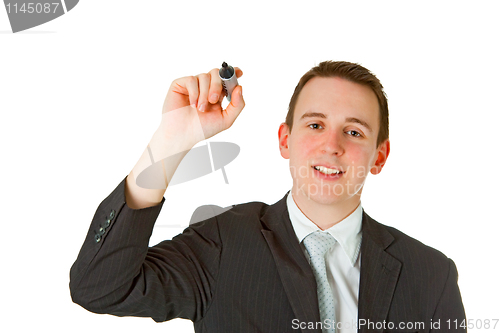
347, 232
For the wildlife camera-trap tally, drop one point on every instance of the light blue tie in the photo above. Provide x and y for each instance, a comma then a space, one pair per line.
317, 244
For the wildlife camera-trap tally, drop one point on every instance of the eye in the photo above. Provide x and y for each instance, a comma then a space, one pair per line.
354, 133
314, 126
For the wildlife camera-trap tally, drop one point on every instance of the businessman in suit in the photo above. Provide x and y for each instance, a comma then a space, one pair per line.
254, 268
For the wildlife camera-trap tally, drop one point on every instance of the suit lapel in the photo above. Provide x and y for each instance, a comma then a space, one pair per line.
294, 270
379, 273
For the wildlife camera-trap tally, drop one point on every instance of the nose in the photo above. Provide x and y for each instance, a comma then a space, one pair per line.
333, 143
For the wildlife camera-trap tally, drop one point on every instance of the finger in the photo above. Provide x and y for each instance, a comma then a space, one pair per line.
215, 86
238, 72
203, 86
234, 108
190, 83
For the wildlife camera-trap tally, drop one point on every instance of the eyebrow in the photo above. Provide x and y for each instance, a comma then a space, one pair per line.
312, 115
359, 121
349, 119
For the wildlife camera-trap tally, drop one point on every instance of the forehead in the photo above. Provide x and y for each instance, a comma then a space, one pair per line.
335, 96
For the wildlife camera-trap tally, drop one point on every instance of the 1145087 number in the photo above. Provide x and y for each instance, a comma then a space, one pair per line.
30, 8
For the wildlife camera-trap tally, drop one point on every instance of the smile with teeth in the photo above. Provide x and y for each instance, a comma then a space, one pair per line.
327, 171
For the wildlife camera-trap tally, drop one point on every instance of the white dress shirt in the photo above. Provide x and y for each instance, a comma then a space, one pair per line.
342, 261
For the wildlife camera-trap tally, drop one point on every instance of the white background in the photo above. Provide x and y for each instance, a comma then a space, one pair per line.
81, 96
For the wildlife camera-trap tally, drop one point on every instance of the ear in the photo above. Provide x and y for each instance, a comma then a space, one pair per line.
383, 152
283, 134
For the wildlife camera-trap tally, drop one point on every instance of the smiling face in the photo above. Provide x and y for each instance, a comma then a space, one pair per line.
332, 146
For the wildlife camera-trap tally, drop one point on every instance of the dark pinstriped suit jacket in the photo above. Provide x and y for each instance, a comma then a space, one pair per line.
244, 271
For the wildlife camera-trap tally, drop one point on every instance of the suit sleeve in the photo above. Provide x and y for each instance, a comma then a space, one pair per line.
117, 273
450, 311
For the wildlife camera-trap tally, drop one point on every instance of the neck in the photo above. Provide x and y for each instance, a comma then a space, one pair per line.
326, 215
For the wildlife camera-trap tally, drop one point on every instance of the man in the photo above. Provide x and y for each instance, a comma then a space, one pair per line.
258, 267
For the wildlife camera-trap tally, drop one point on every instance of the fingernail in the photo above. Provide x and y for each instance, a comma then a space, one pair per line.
214, 98
202, 107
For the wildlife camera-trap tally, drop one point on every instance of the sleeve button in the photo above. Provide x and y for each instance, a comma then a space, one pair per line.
107, 223
97, 238
112, 214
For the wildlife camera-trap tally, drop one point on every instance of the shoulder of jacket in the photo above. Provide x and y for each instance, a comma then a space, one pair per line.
406, 244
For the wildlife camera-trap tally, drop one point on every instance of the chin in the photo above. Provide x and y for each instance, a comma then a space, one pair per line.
323, 199
326, 195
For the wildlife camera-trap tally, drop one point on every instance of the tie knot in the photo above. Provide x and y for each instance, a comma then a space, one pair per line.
318, 243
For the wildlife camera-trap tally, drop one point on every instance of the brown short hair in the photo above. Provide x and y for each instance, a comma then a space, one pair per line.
351, 72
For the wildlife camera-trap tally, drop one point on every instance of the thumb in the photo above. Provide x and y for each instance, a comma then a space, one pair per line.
234, 108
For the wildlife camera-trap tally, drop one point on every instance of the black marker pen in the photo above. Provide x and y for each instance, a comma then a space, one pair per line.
229, 81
